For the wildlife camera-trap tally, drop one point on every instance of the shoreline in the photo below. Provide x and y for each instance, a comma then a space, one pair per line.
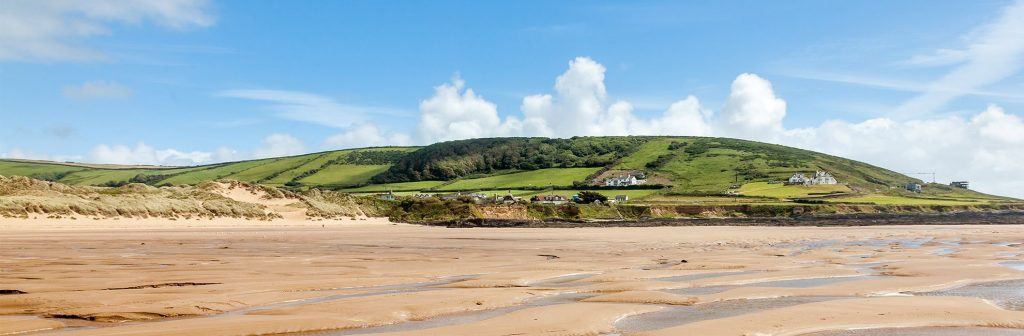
1003, 217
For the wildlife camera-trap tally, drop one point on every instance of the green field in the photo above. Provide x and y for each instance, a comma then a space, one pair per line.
778, 190
315, 163
268, 168
344, 174
401, 186
646, 153
213, 172
32, 169
534, 178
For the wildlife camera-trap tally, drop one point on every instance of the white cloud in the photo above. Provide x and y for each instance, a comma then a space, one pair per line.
993, 52
54, 30
454, 112
278, 144
752, 109
97, 90
142, 154
579, 106
311, 108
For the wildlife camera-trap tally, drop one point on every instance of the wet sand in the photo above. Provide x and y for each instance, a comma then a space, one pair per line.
369, 276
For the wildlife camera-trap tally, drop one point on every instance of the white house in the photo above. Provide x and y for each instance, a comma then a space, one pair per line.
798, 178
820, 177
823, 177
628, 180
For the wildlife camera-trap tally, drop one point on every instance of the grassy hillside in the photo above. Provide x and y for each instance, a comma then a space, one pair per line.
687, 168
338, 168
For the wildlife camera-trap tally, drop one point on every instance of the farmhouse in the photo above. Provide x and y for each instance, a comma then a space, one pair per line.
621, 198
625, 181
819, 177
390, 196
507, 199
913, 187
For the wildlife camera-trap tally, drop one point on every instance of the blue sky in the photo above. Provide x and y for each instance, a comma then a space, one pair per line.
900, 84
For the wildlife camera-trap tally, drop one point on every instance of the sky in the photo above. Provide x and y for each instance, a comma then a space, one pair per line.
912, 86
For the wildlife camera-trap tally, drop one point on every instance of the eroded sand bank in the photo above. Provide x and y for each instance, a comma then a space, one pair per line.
236, 277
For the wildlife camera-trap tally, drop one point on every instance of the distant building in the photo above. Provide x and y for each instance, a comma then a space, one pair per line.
422, 196
625, 181
819, 177
960, 184
798, 178
913, 187
507, 199
823, 177
390, 196
550, 199
621, 198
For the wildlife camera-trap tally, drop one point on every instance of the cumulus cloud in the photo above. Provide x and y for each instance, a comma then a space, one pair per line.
279, 145
578, 106
752, 109
455, 112
97, 90
54, 30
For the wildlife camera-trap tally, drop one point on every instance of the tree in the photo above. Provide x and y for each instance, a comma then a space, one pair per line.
587, 197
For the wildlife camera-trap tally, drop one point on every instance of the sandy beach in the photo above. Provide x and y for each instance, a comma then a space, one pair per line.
369, 276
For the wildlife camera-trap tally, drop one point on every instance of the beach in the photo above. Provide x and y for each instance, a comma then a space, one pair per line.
370, 276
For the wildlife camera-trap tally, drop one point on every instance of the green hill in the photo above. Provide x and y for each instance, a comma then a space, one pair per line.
679, 170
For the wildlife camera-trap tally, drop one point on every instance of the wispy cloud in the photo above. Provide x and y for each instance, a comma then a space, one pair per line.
97, 90
897, 84
993, 52
32, 30
312, 108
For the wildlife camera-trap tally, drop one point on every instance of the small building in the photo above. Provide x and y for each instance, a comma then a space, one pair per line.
550, 199
625, 181
819, 177
507, 199
960, 184
798, 178
913, 187
621, 198
421, 195
389, 196
823, 177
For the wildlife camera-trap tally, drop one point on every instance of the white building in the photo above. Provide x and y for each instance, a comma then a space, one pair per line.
823, 177
628, 180
820, 177
798, 178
